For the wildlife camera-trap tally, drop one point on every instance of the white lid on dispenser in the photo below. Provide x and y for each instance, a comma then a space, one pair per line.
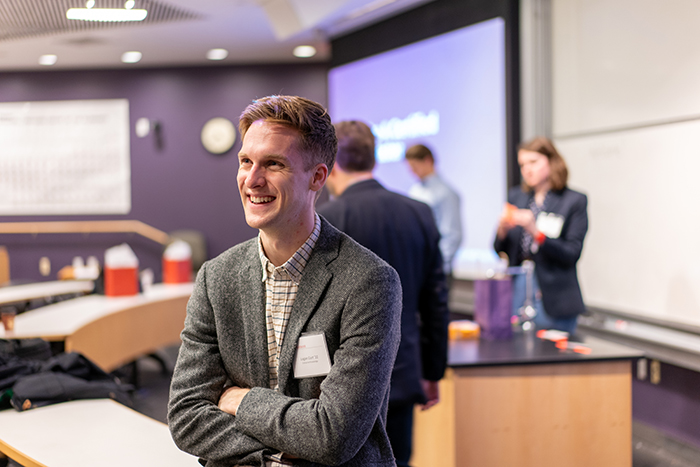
179, 250
121, 257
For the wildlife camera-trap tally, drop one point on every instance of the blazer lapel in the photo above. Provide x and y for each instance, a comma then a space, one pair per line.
254, 322
555, 202
313, 283
522, 200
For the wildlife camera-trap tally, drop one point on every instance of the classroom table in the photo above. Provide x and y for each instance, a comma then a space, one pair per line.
523, 402
110, 331
25, 292
98, 432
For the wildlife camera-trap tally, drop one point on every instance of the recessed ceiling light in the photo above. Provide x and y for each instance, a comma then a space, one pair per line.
106, 14
131, 57
48, 59
217, 54
89, 4
129, 4
304, 51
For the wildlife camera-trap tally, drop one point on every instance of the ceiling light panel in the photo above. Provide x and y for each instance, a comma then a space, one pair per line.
217, 54
48, 59
304, 51
106, 14
131, 57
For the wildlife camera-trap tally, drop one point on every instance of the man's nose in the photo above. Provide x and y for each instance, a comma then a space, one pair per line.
255, 177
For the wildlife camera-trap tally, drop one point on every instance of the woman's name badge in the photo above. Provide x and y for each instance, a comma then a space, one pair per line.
550, 224
312, 357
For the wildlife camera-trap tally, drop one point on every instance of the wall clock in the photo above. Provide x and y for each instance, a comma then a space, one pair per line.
218, 135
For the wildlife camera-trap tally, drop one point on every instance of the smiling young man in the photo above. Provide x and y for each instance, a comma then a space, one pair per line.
277, 189
290, 338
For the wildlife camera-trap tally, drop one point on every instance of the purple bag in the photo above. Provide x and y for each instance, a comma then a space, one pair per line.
493, 305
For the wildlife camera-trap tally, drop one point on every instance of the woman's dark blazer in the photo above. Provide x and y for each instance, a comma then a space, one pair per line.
555, 261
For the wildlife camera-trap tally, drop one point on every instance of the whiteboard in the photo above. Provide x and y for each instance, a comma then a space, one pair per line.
642, 250
626, 118
620, 63
65, 157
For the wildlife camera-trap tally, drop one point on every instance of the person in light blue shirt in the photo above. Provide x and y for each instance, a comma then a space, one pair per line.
441, 197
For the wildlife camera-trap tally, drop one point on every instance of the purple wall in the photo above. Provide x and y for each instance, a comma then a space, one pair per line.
180, 186
672, 406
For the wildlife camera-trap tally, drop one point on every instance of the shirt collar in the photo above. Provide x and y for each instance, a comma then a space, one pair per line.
295, 265
429, 179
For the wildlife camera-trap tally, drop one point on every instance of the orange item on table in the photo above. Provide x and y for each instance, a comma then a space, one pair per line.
578, 348
463, 329
552, 335
8, 320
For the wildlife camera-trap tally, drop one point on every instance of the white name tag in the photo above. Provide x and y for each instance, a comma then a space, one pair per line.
550, 224
312, 357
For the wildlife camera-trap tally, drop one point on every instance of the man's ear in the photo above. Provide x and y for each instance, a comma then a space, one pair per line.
334, 172
319, 176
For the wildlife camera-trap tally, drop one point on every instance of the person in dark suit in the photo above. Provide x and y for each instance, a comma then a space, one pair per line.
290, 337
545, 222
403, 232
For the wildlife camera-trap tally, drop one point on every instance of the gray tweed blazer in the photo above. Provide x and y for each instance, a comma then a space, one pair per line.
347, 293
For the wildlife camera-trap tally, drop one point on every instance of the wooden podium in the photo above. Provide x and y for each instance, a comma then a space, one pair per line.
523, 403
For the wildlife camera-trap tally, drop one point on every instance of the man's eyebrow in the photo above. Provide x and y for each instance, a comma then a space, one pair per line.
275, 157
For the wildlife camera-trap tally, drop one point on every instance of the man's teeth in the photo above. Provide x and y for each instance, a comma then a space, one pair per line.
261, 199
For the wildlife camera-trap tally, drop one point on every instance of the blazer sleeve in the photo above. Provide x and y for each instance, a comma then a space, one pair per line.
432, 306
502, 244
332, 429
566, 250
195, 421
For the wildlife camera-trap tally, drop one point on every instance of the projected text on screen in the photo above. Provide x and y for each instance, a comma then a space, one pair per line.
447, 92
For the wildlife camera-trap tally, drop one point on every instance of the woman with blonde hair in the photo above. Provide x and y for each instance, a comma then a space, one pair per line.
546, 222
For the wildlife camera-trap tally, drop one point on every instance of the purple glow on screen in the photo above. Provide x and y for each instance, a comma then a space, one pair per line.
447, 92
